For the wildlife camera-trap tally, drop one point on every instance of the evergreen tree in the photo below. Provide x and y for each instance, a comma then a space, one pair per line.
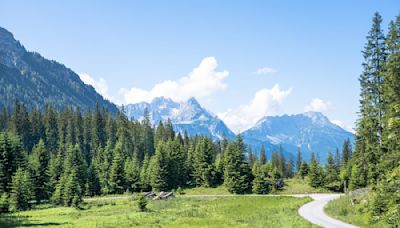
370, 124
332, 175
71, 186
315, 174
40, 171
262, 178
93, 183
117, 180
346, 151
132, 175
289, 168
275, 159
299, 160
391, 133
203, 163
237, 174
72, 190
144, 174
21, 192
263, 157
304, 170
282, 162
159, 169
50, 124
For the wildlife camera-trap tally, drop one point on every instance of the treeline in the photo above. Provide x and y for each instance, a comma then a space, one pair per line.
376, 160
62, 156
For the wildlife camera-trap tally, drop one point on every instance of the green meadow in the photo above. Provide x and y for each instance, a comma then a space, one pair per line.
182, 211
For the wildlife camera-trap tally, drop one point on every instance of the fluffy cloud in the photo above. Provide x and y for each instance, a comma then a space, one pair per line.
100, 85
265, 102
202, 82
318, 105
265, 70
343, 125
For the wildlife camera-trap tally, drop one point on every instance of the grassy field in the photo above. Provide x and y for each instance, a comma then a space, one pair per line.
292, 186
299, 186
237, 211
220, 190
356, 214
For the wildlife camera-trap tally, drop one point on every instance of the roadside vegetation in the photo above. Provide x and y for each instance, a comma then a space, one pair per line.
353, 210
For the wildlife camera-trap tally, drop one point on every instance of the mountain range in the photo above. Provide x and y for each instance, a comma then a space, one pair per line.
309, 132
30, 78
35, 81
187, 116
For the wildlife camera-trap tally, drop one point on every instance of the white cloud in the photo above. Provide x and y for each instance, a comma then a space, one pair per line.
266, 70
343, 125
202, 82
100, 85
265, 102
318, 105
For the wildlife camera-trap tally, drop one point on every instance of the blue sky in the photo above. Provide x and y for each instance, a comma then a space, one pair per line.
307, 53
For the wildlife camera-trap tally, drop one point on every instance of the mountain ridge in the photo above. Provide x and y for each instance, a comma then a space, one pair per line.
309, 131
36, 81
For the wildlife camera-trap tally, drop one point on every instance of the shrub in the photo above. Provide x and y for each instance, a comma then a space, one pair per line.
142, 203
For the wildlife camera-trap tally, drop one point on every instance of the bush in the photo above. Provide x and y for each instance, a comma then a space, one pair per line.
278, 184
142, 203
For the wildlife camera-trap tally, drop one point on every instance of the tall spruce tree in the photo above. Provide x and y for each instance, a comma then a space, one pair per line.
237, 174
203, 163
370, 124
391, 133
21, 192
39, 164
117, 180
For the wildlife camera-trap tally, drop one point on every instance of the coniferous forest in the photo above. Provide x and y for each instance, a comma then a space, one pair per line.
62, 156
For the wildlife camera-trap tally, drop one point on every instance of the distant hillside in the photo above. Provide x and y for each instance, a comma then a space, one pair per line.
33, 80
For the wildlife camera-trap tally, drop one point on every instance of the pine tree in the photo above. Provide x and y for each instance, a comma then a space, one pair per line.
332, 175
304, 170
275, 159
93, 183
21, 125
237, 174
71, 186
40, 171
263, 157
50, 123
370, 124
262, 178
176, 163
117, 180
159, 169
203, 163
21, 192
289, 168
315, 174
356, 178
391, 133
55, 170
299, 160
346, 151
132, 175
144, 174
282, 162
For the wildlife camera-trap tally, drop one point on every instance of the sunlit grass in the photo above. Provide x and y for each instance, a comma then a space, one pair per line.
356, 214
237, 211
